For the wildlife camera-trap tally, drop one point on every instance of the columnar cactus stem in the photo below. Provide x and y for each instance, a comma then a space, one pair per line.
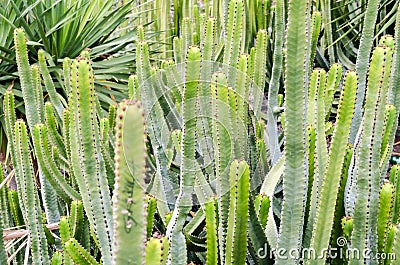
363, 56
188, 165
295, 176
129, 200
211, 229
87, 161
29, 196
368, 174
236, 241
332, 174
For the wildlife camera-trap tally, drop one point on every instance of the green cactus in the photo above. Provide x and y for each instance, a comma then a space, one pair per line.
295, 178
129, 200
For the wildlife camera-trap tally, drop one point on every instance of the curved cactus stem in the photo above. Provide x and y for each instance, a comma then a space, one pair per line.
295, 175
51, 123
129, 197
50, 170
78, 254
29, 196
48, 82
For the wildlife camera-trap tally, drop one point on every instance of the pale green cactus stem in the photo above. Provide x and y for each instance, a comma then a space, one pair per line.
212, 230
316, 118
34, 114
155, 119
129, 199
315, 31
259, 72
242, 97
177, 254
384, 215
67, 75
51, 123
37, 88
386, 149
368, 177
295, 175
274, 83
48, 82
331, 176
236, 239
234, 39
106, 150
223, 153
86, 158
363, 55
29, 196
394, 80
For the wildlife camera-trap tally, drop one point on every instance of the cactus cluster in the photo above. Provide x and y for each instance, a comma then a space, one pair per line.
197, 166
